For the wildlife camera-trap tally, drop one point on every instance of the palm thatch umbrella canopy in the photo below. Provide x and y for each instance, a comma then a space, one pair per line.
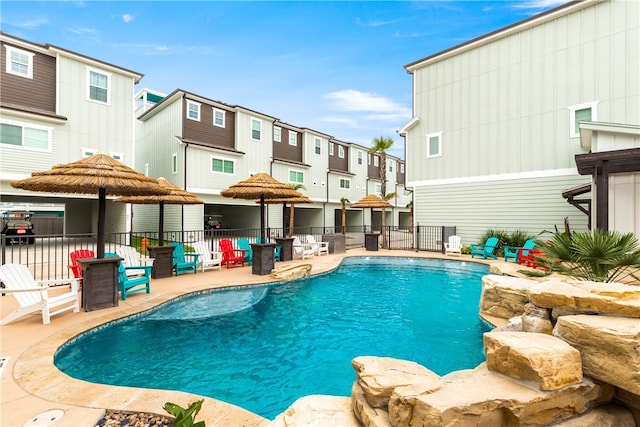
371, 201
263, 187
99, 174
176, 196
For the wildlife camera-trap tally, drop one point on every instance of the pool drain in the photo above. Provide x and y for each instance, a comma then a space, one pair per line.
45, 419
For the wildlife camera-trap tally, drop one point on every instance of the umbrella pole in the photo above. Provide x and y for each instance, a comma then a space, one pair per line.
161, 225
101, 220
262, 231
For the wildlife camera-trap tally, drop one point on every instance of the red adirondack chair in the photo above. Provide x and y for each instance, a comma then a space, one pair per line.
231, 256
75, 266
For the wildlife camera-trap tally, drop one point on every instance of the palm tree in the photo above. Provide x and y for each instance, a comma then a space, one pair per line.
344, 202
292, 209
380, 145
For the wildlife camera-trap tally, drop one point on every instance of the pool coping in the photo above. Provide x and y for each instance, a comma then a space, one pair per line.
37, 378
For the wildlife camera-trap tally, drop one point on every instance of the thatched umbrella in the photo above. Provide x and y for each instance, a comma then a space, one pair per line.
101, 174
371, 201
176, 196
263, 187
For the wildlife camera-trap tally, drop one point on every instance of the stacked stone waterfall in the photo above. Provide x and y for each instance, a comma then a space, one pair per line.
567, 354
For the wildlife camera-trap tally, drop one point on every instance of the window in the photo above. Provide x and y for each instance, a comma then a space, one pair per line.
401, 167
331, 144
174, 163
390, 165
434, 144
146, 169
218, 117
117, 156
318, 146
376, 161
406, 192
341, 151
13, 133
193, 110
221, 165
360, 155
19, 62
87, 152
581, 113
369, 159
293, 138
98, 87
378, 189
277, 133
296, 177
345, 183
256, 129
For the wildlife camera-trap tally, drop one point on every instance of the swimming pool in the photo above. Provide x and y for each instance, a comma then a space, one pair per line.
262, 347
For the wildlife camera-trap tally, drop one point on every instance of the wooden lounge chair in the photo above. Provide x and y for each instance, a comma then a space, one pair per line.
131, 258
319, 248
453, 246
243, 244
301, 250
231, 256
131, 284
511, 253
208, 258
34, 295
180, 262
75, 267
485, 251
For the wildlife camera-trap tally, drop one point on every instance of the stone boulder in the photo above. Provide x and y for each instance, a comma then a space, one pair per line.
537, 319
291, 272
609, 345
503, 296
365, 413
481, 397
541, 359
379, 376
604, 298
317, 410
604, 416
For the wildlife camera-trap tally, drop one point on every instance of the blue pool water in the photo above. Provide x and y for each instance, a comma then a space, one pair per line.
263, 347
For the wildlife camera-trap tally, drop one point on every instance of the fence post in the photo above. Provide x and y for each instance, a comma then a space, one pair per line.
417, 236
442, 239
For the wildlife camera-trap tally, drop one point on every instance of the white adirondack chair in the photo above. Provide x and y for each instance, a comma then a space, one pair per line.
33, 296
207, 258
131, 258
319, 248
453, 246
301, 250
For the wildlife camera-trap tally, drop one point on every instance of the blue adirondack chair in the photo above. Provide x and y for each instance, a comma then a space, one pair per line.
243, 244
276, 253
486, 250
180, 262
511, 252
132, 284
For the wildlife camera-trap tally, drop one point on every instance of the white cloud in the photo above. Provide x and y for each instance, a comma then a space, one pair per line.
348, 121
30, 23
354, 100
83, 31
127, 18
538, 4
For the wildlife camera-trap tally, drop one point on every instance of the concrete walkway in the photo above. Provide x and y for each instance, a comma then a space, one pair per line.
32, 385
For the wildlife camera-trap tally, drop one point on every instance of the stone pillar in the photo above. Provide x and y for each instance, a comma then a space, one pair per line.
263, 262
286, 254
371, 241
99, 282
162, 261
337, 242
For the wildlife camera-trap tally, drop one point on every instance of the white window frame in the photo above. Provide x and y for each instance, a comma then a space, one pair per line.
197, 106
360, 157
296, 171
29, 72
48, 130
174, 163
223, 119
369, 159
378, 189
341, 151
376, 161
146, 169
390, 163
317, 146
401, 167
572, 116
224, 160
116, 155
87, 152
438, 135
108, 88
293, 138
331, 148
344, 184
259, 129
277, 133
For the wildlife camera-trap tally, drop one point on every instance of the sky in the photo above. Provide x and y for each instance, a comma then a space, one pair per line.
336, 67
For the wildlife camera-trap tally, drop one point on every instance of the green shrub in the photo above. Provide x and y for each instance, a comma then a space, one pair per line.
466, 250
185, 417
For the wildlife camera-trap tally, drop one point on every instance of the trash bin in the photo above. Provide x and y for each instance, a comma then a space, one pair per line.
371, 241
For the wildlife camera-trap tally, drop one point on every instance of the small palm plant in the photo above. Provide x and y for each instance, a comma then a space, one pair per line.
185, 417
601, 256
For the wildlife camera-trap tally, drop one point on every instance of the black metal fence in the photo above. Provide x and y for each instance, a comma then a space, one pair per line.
48, 256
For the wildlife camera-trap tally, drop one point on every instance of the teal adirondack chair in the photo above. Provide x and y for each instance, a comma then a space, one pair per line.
132, 284
243, 244
486, 250
511, 252
180, 262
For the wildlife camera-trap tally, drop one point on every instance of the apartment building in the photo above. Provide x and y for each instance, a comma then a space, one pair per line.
57, 106
205, 146
499, 121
